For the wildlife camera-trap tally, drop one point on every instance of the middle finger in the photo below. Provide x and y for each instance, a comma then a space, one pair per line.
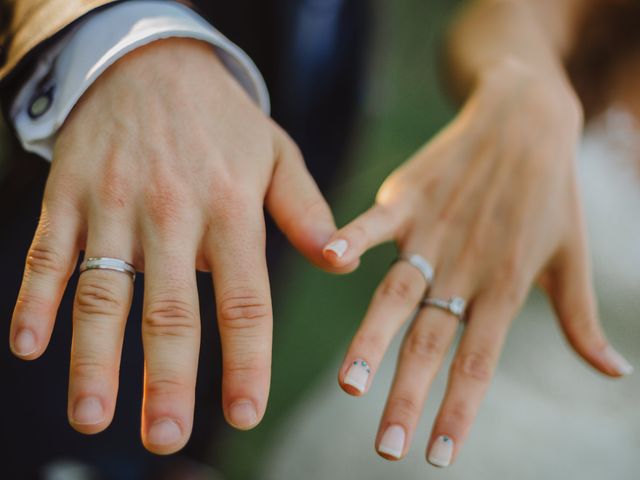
171, 339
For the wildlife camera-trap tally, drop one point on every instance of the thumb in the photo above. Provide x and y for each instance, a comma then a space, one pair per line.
569, 285
298, 207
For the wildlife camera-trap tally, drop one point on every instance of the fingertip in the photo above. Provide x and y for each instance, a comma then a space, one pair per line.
613, 362
340, 253
335, 250
440, 454
243, 415
392, 442
353, 390
88, 415
25, 344
356, 378
165, 436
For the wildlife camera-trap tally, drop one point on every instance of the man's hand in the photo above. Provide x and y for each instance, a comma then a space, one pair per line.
166, 164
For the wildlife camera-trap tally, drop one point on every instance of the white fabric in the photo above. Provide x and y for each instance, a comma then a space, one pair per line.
72, 64
547, 414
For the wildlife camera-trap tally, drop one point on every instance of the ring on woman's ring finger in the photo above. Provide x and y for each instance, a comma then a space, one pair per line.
106, 263
454, 305
421, 264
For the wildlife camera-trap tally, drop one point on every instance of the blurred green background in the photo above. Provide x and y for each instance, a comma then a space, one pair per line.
316, 314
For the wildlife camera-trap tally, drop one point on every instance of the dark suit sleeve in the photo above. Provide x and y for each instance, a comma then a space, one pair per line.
26, 26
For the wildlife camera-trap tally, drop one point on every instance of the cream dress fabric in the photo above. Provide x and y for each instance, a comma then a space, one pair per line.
547, 415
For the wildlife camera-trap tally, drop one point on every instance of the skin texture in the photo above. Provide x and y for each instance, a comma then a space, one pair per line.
493, 203
167, 164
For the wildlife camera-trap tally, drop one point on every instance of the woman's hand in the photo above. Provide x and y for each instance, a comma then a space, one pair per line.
493, 203
166, 164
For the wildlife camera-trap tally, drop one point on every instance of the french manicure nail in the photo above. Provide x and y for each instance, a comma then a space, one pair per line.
357, 375
88, 411
392, 441
618, 361
164, 432
338, 247
25, 342
441, 451
242, 414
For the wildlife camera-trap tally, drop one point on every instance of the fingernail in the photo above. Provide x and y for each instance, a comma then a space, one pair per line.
357, 375
441, 452
618, 361
25, 342
88, 411
338, 247
164, 432
392, 442
242, 414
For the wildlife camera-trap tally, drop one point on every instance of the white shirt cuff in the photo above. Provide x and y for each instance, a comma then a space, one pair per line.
69, 67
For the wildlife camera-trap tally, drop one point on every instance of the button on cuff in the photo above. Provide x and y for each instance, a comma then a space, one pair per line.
41, 104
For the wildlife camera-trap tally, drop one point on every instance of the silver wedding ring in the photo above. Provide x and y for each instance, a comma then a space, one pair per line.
454, 305
106, 263
421, 264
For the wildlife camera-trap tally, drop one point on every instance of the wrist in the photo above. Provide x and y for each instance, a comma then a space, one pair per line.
539, 91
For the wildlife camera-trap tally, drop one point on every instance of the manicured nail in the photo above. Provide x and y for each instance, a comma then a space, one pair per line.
392, 442
88, 411
242, 414
357, 375
25, 342
338, 247
441, 452
164, 432
618, 361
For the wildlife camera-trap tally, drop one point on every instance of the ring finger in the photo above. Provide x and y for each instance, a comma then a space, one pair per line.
101, 307
421, 356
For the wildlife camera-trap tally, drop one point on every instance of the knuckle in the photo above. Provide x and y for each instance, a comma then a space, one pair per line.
44, 260
458, 413
371, 342
511, 288
315, 208
426, 345
87, 367
32, 304
114, 192
94, 297
583, 328
243, 309
403, 406
248, 367
170, 318
430, 188
397, 290
357, 232
477, 365
61, 190
165, 385
166, 204
233, 200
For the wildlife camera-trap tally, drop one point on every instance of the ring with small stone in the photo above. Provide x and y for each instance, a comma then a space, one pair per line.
454, 305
